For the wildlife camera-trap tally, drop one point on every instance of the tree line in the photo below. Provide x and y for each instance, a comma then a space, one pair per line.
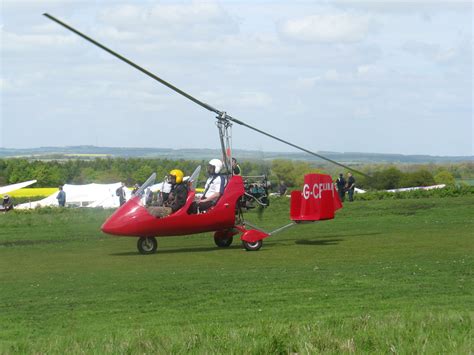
50, 173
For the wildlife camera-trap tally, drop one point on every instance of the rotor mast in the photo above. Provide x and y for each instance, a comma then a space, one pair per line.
223, 119
225, 135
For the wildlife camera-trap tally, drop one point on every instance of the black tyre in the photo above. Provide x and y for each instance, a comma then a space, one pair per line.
223, 239
252, 246
147, 245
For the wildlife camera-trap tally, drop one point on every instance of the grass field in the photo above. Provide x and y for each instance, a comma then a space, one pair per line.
391, 276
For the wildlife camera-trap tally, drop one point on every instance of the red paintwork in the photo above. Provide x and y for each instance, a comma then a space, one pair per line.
132, 219
318, 200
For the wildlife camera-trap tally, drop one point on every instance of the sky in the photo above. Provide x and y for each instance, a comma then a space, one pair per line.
345, 76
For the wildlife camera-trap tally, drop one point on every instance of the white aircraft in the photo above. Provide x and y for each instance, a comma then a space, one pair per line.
13, 187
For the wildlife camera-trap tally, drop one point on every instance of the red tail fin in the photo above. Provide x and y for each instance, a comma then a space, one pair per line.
318, 200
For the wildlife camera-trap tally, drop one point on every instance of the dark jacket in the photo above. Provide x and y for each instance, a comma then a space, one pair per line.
341, 183
61, 197
177, 197
351, 183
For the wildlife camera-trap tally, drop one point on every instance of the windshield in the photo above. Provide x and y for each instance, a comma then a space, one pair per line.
193, 178
150, 181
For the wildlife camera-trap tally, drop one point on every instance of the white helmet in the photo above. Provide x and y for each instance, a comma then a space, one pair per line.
217, 164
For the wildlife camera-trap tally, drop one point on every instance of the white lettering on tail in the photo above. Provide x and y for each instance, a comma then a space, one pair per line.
317, 190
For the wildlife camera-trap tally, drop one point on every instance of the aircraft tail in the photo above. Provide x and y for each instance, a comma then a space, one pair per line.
318, 201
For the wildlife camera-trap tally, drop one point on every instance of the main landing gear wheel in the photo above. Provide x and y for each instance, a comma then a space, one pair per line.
252, 246
147, 245
223, 239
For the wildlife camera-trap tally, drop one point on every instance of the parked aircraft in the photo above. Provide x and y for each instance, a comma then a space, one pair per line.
6, 202
9, 188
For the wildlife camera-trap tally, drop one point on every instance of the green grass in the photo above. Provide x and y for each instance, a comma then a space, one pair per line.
392, 276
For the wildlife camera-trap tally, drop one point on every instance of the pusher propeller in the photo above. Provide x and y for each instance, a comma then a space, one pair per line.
221, 115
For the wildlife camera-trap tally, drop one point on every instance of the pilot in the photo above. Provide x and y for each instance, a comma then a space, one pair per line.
176, 197
135, 189
214, 187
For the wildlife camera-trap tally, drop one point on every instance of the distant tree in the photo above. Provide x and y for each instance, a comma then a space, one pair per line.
141, 174
88, 175
418, 178
291, 172
283, 170
385, 180
300, 169
445, 177
18, 170
47, 174
3, 175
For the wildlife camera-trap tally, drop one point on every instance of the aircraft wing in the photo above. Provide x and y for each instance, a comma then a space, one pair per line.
13, 187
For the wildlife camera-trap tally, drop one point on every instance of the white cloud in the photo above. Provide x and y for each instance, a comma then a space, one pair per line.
334, 76
305, 83
32, 42
124, 15
22, 83
241, 100
185, 20
254, 99
326, 28
406, 6
116, 34
34, 4
461, 52
370, 71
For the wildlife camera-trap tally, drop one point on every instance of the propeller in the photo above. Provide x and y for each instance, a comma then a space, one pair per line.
221, 115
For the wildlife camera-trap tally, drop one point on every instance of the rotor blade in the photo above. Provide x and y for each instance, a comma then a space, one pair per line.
200, 103
294, 145
172, 87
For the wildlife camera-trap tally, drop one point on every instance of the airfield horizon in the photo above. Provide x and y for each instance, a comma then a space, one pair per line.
91, 152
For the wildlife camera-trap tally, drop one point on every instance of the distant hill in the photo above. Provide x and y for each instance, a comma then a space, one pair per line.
92, 152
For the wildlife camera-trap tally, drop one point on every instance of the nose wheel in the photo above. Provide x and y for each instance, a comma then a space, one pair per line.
147, 245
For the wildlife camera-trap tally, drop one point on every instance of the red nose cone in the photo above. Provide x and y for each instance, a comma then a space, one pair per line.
126, 220
112, 225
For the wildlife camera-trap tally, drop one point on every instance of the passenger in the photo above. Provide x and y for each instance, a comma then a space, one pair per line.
176, 197
236, 168
214, 187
